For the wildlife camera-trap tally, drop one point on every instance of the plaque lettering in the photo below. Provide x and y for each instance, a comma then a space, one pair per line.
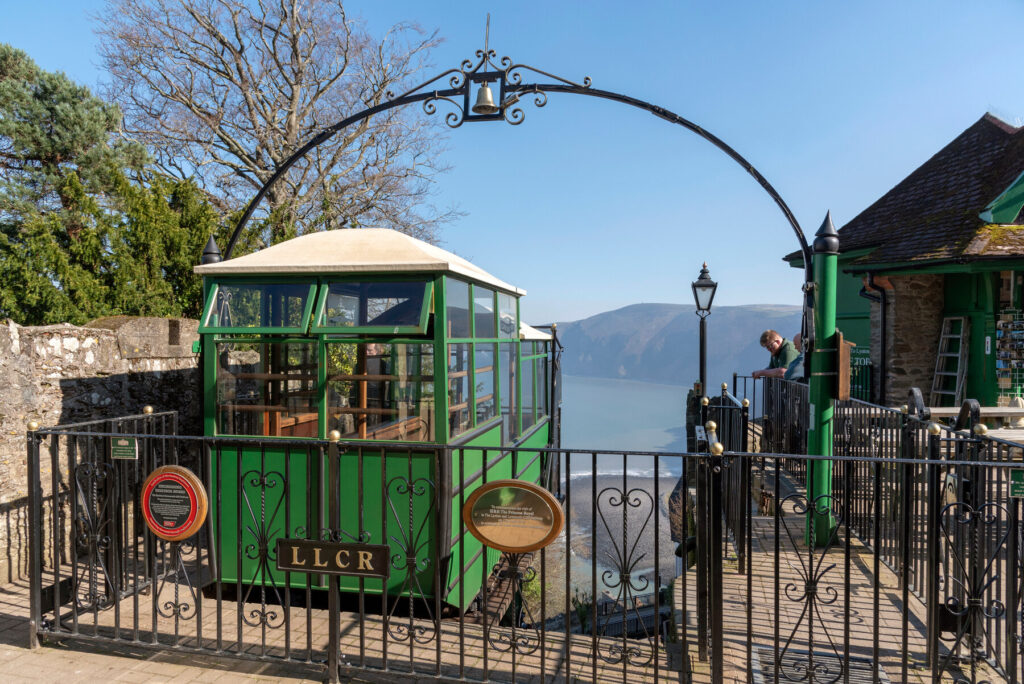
174, 503
513, 516
365, 561
332, 558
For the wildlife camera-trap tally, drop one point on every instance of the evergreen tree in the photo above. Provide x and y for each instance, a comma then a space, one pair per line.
85, 229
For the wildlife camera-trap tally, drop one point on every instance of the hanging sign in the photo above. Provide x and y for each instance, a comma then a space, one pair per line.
1017, 484
124, 449
174, 503
333, 558
513, 516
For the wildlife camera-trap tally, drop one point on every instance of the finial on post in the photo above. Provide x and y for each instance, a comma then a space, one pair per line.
826, 240
211, 253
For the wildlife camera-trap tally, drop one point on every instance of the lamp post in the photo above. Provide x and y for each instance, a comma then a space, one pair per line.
703, 294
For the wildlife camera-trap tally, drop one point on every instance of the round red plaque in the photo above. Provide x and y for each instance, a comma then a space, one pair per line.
174, 503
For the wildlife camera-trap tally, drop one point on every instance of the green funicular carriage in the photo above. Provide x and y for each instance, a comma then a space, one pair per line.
396, 344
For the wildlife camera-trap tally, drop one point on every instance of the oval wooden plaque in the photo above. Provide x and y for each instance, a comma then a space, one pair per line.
513, 516
174, 502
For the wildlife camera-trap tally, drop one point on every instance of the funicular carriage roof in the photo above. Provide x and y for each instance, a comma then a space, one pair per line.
362, 250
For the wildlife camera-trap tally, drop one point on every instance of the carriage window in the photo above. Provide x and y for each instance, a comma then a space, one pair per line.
507, 327
507, 384
458, 389
381, 391
457, 301
267, 389
393, 307
528, 400
251, 307
483, 382
543, 373
483, 312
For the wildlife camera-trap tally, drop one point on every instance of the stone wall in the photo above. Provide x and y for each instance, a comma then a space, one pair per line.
60, 374
914, 319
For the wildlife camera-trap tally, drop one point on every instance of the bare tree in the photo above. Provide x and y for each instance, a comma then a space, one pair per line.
223, 91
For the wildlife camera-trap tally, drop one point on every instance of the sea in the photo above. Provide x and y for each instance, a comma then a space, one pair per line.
604, 417
613, 415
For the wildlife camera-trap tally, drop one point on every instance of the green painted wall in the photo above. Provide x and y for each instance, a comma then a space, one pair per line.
853, 312
460, 589
975, 295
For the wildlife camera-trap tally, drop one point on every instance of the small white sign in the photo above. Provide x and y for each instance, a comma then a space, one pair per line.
699, 433
988, 345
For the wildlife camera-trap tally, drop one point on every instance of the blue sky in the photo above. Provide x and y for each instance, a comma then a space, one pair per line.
591, 205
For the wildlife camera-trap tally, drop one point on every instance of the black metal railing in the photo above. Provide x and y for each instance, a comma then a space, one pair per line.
920, 577
732, 418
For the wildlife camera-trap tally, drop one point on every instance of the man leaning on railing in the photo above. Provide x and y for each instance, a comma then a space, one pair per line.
783, 352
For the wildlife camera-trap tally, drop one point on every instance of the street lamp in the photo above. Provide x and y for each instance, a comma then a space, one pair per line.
703, 294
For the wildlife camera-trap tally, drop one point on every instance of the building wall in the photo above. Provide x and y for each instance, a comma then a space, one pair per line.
975, 296
914, 319
61, 373
852, 311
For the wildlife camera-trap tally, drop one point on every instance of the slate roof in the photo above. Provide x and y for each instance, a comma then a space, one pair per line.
932, 214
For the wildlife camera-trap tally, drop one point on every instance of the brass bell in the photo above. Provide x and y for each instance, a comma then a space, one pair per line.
485, 101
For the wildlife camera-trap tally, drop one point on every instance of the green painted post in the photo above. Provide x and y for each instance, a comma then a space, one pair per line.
822, 381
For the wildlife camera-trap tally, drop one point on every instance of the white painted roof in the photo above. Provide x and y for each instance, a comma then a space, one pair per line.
360, 250
528, 332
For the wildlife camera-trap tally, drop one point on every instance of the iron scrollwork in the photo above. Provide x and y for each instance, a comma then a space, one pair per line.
524, 637
966, 582
178, 574
93, 521
816, 595
506, 74
261, 528
329, 534
623, 559
413, 555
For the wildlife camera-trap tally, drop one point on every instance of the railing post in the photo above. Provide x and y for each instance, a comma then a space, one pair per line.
703, 543
978, 537
907, 444
715, 569
934, 539
333, 592
1012, 591
822, 380
35, 526
742, 534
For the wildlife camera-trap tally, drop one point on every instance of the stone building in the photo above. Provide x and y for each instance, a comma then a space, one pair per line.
946, 244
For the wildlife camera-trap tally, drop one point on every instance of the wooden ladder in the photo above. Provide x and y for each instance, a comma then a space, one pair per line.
950, 362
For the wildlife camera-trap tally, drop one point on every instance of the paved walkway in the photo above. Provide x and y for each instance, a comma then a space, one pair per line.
67, 662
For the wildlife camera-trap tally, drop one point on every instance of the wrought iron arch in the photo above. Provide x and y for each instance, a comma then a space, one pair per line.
508, 76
